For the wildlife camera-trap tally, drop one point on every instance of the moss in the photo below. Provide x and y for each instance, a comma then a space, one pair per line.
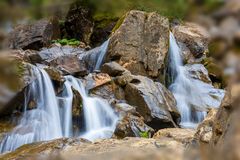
101, 23
119, 23
71, 42
144, 134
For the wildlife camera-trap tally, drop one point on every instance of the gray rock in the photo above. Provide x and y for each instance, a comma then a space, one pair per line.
198, 71
34, 36
153, 102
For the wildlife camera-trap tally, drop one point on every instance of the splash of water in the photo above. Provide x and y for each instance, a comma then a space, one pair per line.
193, 96
39, 124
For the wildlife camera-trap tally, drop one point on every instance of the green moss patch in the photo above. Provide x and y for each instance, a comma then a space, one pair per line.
70, 42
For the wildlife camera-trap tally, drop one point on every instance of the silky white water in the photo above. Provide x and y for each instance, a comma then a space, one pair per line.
193, 96
99, 118
101, 55
39, 124
51, 117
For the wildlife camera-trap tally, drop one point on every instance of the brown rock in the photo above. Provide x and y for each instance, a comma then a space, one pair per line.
34, 36
205, 128
54, 74
124, 79
77, 112
70, 64
113, 69
194, 37
95, 80
140, 44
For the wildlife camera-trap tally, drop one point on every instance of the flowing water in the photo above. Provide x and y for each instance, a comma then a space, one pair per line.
94, 58
193, 96
35, 124
52, 116
100, 119
101, 55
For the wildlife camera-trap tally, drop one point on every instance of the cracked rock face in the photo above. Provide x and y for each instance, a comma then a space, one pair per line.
140, 44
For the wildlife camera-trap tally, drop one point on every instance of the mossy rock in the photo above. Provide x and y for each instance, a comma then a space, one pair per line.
119, 23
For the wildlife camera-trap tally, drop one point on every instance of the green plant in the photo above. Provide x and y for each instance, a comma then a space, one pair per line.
71, 42
144, 134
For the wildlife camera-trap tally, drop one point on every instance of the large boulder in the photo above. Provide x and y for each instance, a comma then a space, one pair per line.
140, 43
34, 36
191, 37
153, 101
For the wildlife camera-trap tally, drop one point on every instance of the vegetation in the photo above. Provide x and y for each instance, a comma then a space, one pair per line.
35, 9
144, 134
71, 42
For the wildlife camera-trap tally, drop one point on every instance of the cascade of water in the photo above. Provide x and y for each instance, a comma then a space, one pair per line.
101, 55
94, 57
65, 104
41, 123
46, 121
191, 94
100, 119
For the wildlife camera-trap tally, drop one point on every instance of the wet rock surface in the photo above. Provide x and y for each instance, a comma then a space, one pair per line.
199, 72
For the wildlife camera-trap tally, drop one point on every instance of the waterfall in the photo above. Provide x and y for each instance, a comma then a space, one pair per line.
101, 56
39, 124
100, 119
94, 57
193, 96
51, 116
